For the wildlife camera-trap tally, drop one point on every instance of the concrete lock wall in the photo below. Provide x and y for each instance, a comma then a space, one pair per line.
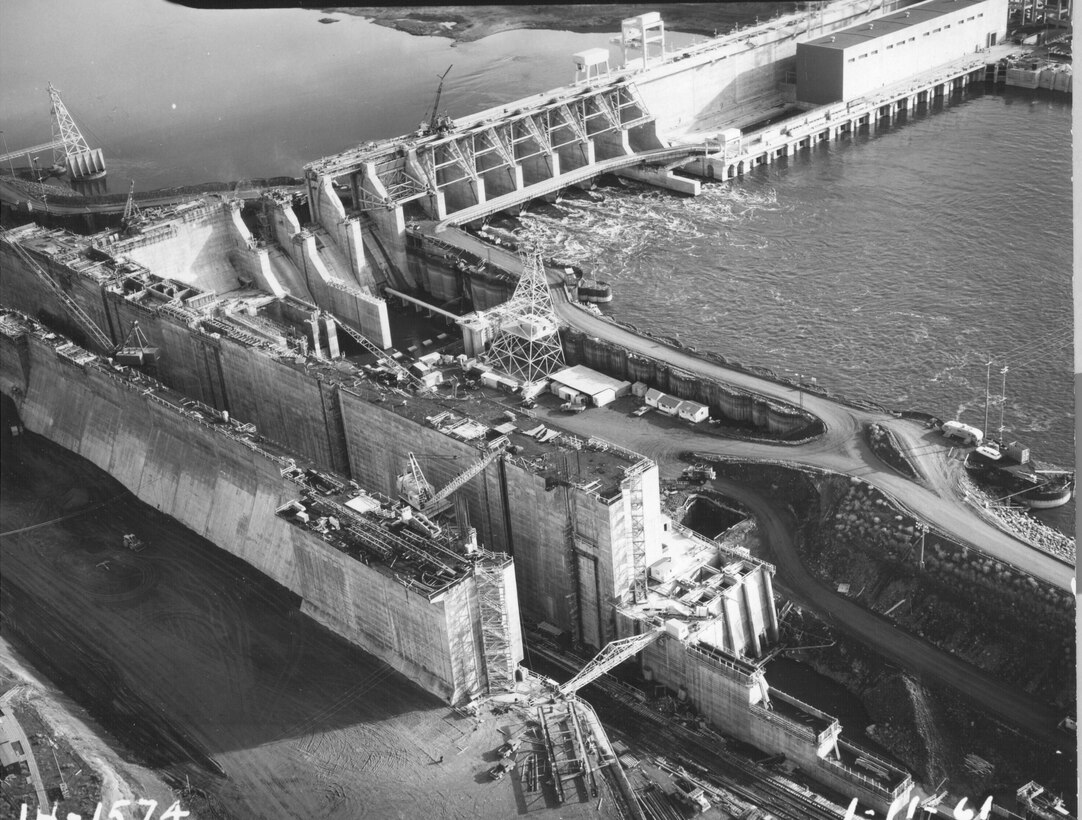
286, 404
227, 493
534, 529
724, 401
730, 701
14, 366
722, 698
22, 290
376, 612
165, 459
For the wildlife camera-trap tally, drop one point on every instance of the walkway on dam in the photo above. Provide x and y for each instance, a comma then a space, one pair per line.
550, 186
19, 195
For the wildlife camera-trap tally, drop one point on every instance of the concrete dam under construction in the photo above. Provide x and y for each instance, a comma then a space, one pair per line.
447, 507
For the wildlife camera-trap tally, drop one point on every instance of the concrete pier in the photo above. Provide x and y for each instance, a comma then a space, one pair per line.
835, 121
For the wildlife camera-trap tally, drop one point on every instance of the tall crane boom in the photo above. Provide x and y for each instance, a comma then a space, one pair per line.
435, 501
432, 122
104, 343
614, 653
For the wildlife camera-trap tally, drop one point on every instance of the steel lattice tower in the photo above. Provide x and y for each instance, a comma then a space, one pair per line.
526, 344
65, 130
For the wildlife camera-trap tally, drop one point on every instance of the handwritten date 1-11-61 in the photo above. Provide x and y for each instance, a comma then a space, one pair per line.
174, 812
960, 812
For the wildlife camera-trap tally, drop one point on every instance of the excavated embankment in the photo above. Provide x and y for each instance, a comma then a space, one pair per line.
988, 612
999, 619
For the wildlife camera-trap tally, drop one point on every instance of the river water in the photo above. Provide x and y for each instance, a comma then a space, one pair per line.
891, 266
888, 266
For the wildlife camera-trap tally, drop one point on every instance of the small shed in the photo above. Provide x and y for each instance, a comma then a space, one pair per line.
662, 570
693, 411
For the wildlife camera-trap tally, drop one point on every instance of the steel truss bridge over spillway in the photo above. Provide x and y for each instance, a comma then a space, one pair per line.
657, 156
500, 158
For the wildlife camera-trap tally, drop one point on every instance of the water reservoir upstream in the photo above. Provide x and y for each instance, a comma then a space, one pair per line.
887, 266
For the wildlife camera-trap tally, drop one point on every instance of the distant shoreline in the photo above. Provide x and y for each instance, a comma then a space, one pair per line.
465, 24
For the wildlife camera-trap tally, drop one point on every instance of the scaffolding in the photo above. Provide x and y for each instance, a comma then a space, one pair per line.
632, 486
495, 629
526, 344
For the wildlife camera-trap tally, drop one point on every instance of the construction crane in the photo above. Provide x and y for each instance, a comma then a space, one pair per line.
401, 372
614, 653
415, 489
434, 122
71, 152
103, 342
132, 213
135, 350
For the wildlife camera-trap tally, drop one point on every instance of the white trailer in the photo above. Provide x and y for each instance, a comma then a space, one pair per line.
964, 432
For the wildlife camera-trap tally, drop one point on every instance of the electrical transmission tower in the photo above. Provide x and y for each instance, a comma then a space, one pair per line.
526, 344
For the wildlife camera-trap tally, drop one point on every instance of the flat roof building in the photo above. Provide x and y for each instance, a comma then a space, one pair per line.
600, 388
859, 60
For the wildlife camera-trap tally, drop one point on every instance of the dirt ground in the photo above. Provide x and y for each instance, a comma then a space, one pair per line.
192, 662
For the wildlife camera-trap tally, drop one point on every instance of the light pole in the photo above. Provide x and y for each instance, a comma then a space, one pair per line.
800, 386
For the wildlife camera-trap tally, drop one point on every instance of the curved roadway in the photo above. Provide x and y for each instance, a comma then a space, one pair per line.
15, 195
935, 497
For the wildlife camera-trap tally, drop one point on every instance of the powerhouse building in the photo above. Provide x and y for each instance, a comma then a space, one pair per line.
859, 60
